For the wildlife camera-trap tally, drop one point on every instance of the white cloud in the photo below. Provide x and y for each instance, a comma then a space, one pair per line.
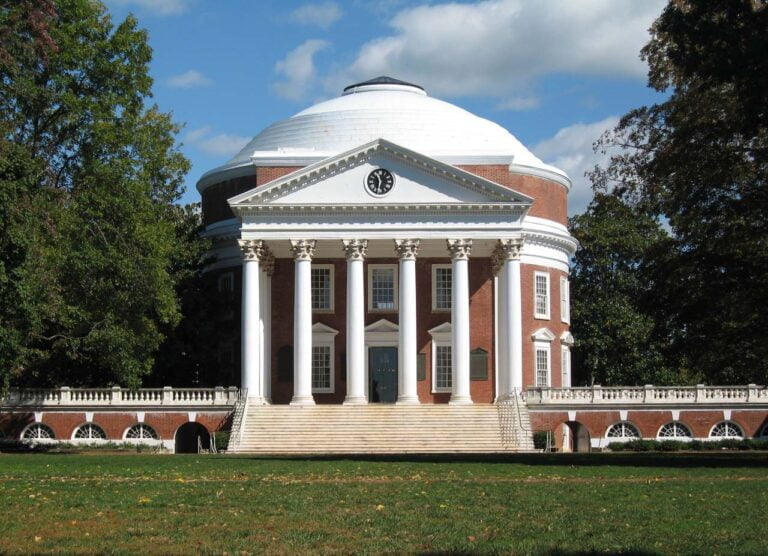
570, 149
298, 69
221, 144
322, 15
188, 79
519, 103
501, 47
159, 7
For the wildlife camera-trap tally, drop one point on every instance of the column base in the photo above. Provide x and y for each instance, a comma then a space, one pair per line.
504, 398
460, 400
258, 400
357, 400
409, 400
302, 400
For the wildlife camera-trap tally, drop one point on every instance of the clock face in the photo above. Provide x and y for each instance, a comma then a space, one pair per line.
380, 181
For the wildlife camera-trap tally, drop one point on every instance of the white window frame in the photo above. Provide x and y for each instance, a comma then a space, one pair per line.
565, 367
435, 308
542, 341
325, 336
536, 313
226, 278
395, 290
565, 300
332, 286
542, 347
441, 336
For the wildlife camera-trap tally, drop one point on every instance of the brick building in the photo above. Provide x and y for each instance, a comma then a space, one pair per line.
392, 248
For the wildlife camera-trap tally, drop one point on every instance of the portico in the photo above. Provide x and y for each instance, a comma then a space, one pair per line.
434, 211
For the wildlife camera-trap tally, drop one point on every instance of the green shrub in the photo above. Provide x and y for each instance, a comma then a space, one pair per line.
540, 439
673, 445
222, 439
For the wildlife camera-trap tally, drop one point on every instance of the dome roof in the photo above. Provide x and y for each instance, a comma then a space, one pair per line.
394, 110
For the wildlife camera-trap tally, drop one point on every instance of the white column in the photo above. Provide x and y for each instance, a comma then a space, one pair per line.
355, 252
460, 249
502, 347
250, 345
512, 332
407, 392
268, 266
302, 322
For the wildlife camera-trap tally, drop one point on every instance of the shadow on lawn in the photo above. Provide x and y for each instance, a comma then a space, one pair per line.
729, 459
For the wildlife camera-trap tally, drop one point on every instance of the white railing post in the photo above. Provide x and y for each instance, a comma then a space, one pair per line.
116, 395
65, 395
648, 393
701, 394
751, 393
167, 397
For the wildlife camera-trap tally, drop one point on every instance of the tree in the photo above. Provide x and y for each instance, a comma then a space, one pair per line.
89, 174
699, 161
619, 340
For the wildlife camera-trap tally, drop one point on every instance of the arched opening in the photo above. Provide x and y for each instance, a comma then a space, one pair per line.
580, 435
191, 435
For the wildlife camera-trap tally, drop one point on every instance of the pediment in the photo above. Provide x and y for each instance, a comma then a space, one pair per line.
340, 181
543, 335
566, 338
320, 328
444, 328
382, 325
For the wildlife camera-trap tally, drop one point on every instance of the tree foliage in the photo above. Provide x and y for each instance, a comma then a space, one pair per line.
698, 162
90, 251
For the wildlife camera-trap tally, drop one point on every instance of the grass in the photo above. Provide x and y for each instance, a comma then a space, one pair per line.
543, 504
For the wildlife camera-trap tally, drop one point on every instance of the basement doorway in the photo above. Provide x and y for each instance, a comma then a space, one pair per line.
190, 437
580, 436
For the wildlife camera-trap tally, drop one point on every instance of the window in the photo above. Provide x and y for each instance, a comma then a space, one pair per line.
38, 431
226, 282
441, 287
675, 429
542, 365
565, 363
323, 354
541, 295
322, 287
623, 430
382, 287
442, 368
140, 431
89, 431
726, 429
565, 300
321, 369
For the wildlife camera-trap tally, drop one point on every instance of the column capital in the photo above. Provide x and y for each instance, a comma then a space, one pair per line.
303, 249
407, 249
268, 262
355, 249
251, 249
459, 248
510, 249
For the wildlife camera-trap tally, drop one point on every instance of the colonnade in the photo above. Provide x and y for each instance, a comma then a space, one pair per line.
258, 263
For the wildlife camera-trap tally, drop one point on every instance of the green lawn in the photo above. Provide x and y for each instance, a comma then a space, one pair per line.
561, 504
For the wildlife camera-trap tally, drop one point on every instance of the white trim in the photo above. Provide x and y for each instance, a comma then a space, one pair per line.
565, 366
332, 285
435, 308
536, 313
441, 336
395, 287
565, 300
542, 346
325, 336
382, 333
543, 335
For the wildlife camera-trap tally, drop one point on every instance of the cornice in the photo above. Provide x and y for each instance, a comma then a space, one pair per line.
513, 209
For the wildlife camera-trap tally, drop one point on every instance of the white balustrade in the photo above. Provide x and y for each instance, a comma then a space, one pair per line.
648, 394
121, 397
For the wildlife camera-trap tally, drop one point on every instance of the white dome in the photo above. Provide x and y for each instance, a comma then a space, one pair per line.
398, 112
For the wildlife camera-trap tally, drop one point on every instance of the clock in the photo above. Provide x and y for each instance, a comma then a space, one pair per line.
380, 181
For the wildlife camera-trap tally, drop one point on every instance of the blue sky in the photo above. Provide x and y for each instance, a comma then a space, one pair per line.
555, 73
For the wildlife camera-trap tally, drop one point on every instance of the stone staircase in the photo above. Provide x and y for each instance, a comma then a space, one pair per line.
383, 429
